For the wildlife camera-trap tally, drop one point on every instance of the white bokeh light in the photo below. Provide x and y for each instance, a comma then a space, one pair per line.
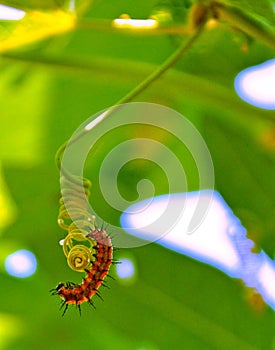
142, 219
219, 241
256, 85
125, 269
135, 23
21, 263
8, 13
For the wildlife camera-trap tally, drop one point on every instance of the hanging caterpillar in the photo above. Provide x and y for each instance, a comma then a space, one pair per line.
87, 248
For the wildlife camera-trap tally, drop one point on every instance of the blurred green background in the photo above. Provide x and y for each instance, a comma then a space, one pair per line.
47, 89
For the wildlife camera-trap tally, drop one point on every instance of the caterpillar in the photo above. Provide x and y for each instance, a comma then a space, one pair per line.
87, 248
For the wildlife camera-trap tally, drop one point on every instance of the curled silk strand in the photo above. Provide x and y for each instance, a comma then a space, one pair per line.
78, 247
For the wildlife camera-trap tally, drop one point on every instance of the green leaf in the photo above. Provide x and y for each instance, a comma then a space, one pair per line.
34, 5
263, 10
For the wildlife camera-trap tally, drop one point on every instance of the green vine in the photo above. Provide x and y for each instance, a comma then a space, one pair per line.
198, 17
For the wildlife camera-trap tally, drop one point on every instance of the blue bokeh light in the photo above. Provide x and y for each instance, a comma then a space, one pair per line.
256, 85
21, 263
220, 240
125, 269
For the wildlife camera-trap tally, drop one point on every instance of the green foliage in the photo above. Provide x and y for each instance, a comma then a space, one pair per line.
35, 5
262, 9
47, 89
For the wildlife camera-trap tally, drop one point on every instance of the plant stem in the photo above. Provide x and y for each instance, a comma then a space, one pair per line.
107, 25
168, 63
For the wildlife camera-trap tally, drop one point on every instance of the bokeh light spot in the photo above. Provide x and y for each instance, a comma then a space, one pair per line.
125, 269
21, 263
256, 85
10, 14
220, 240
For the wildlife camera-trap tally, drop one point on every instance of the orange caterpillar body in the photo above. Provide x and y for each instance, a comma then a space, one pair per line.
77, 294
